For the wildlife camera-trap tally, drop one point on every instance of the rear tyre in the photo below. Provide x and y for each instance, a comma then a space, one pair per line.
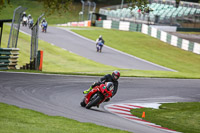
83, 103
93, 102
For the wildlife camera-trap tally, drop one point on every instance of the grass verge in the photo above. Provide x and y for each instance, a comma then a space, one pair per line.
59, 61
18, 120
182, 117
56, 60
151, 49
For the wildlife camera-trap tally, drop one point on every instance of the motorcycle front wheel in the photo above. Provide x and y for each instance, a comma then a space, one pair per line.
94, 102
83, 103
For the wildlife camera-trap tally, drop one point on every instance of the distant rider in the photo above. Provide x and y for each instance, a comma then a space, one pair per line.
107, 78
43, 21
44, 24
99, 43
30, 21
24, 14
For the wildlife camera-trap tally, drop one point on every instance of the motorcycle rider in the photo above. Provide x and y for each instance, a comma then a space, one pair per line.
30, 21
23, 15
107, 78
99, 43
24, 19
44, 24
29, 17
43, 20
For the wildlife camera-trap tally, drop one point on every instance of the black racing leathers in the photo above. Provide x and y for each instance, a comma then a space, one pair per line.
107, 78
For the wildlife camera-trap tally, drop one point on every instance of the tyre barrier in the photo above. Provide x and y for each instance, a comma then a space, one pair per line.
8, 58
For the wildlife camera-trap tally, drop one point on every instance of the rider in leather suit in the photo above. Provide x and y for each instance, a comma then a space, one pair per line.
107, 78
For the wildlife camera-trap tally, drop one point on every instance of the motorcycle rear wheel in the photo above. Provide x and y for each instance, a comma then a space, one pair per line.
93, 102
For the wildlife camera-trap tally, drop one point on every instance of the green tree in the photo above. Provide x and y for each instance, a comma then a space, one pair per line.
3, 3
50, 5
141, 4
56, 5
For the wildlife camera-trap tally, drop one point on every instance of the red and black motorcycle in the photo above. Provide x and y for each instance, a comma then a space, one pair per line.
98, 95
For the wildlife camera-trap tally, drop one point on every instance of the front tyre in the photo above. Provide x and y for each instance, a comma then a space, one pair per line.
83, 103
94, 102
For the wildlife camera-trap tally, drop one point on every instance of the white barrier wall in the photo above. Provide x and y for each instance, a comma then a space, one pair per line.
174, 40
154, 32
144, 28
196, 48
163, 36
124, 26
185, 44
107, 24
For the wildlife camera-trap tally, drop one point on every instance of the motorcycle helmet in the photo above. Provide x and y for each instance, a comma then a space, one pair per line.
115, 75
100, 36
109, 86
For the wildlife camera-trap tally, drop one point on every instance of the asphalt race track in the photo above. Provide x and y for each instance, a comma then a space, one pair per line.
60, 95
84, 47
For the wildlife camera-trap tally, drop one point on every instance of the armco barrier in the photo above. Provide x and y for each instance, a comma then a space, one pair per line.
171, 39
8, 58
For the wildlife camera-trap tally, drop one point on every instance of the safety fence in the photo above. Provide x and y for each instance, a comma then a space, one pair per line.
15, 26
8, 58
171, 39
34, 45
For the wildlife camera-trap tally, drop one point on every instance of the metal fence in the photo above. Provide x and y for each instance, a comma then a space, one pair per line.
34, 42
14, 31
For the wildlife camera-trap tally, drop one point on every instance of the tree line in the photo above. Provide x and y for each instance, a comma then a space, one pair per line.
63, 5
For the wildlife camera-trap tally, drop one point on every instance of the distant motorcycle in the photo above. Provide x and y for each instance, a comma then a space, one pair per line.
44, 27
24, 21
30, 23
98, 95
99, 46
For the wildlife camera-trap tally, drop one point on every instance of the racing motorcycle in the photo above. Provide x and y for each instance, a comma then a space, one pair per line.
24, 21
30, 23
99, 46
98, 95
44, 27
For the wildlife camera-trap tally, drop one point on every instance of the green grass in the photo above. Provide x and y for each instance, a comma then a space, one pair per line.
18, 120
151, 49
36, 9
182, 117
55, 58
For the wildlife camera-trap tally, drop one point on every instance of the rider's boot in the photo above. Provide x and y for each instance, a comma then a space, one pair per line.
88, 90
